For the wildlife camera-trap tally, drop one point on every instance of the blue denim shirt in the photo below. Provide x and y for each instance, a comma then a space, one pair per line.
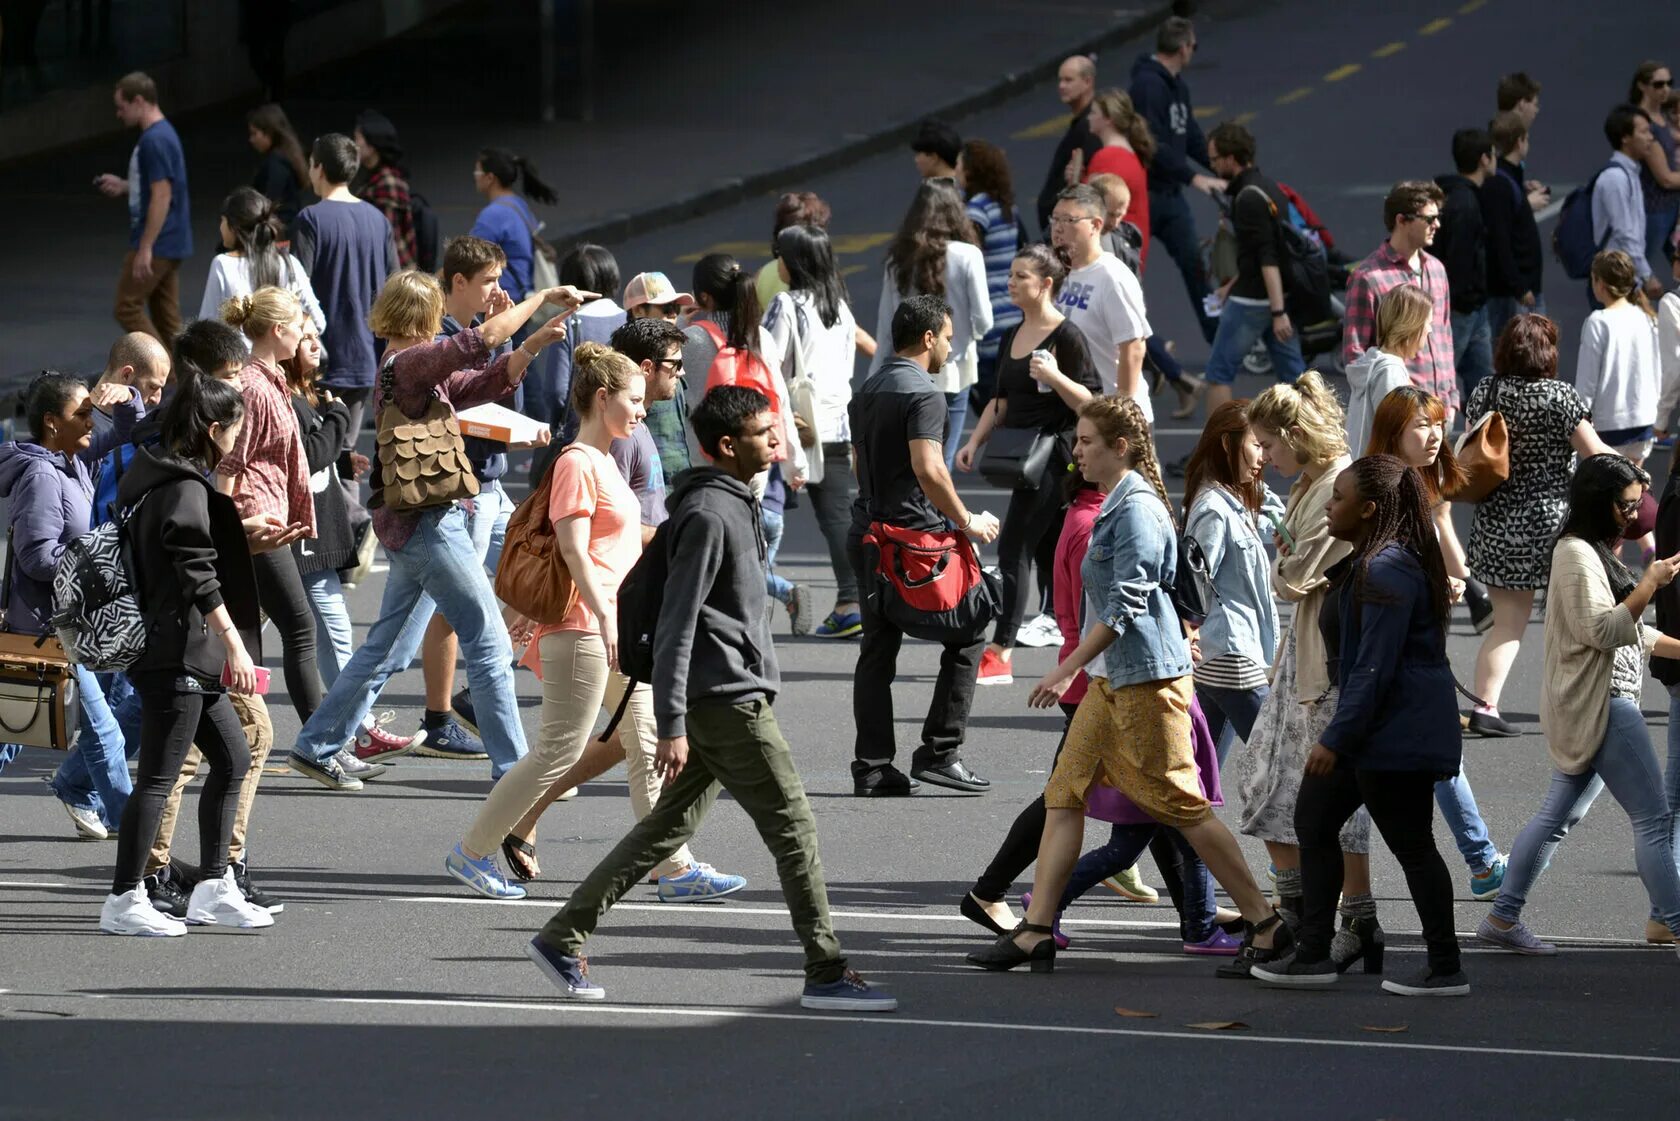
1244, 618
1128, 573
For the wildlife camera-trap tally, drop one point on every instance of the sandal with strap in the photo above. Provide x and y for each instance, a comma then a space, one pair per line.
1283, 944
521, 857
1005, 954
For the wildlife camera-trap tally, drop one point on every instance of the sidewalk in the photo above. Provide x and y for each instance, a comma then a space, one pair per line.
691, 113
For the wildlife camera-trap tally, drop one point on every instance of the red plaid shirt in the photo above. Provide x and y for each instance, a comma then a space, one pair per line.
268, 459
389, 192
1384, 270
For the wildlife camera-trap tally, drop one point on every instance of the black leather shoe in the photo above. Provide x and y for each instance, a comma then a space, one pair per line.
953, 776
884, 782
1490, 726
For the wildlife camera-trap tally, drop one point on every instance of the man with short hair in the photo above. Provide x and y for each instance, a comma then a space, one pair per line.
139, 360
714, 680
935, 148
1101, 296
159, 215
1254, 308
1515, 257
1618, 200
651, 295
1411, 214
1076, 84
1519, 94
1163, 99
898, 433
1461, 244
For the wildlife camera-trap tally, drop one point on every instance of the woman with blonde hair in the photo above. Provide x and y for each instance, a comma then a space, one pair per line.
1299, 427
1403, 318
1133, 726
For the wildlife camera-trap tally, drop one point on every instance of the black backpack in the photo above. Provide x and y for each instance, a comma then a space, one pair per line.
428, 233
640, 597
1306, 269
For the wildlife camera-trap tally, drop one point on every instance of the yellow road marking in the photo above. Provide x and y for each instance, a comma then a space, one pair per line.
733, 248
1205, 112
1341, 72
1388, 49
851, 269
1243, 118
1470, 7
1052, 127
1294, 95
1435, 25
859, 243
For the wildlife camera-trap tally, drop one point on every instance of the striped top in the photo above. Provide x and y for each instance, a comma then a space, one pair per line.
999, 242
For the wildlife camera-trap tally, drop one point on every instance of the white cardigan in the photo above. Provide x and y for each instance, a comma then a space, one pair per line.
971, 316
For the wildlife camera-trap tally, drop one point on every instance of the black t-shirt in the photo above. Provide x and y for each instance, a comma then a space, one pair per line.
1025, 403
896, 405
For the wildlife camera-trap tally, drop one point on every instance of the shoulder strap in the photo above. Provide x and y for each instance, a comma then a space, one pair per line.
6, 584
513, 206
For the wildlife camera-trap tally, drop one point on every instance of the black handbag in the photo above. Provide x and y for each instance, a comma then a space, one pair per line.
1017, 457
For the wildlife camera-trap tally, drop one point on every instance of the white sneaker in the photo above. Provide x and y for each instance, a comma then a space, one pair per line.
1040, 631
87, 823
219, 902
133, 913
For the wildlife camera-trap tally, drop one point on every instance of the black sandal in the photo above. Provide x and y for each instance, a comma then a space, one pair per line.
1005, 954
974, 912
1283, 944
521, 858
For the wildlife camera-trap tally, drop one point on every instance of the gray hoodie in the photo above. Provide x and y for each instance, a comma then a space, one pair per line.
713, 638
1371, 377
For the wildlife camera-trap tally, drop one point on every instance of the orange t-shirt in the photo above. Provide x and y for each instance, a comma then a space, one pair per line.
1124, 162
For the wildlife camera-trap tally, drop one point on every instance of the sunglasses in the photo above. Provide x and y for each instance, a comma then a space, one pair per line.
674, 363
1426, 219
1660, 83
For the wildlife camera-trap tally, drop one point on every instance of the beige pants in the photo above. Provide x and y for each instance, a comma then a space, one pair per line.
576, 685
259, 733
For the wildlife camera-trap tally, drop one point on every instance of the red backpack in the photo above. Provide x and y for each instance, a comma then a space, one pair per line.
736, 365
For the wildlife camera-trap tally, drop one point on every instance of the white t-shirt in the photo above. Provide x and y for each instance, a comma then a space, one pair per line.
1105, 301
231, 276
829, 354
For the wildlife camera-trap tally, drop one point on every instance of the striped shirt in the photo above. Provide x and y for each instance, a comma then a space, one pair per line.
1230, 671
1000, 241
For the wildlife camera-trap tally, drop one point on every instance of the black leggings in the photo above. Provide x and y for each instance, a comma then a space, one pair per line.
171, 722
1031, 526
280, 592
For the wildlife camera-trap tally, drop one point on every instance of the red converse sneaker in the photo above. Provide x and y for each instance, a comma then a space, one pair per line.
375, 743
994, 670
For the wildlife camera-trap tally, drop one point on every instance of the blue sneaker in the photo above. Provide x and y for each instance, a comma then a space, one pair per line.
850, 993
450, 740
570, 975
699, 884
840, 626
483, 876
1487, 884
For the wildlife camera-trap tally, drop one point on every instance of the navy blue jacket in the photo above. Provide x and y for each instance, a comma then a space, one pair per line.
1396, 711
1164, 100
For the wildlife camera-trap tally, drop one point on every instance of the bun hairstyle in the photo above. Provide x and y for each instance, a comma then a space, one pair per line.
596, 366
1306, 415
1043, 261
49, 395
734, 295
256, 234
199, 403
261, 311
1117, 418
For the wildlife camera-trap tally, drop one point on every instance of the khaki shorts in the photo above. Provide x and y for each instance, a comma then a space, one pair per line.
1139, 738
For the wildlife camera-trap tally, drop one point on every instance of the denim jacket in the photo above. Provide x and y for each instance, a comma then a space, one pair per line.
1128, 573
1244, 618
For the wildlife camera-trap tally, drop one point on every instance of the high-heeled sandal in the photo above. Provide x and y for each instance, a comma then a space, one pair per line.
1370, 935
1005, 954
974, 912
1283, 944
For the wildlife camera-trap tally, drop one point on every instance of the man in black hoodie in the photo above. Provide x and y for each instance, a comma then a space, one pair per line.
1516, 262
714, 679
1163, 99
1461, 244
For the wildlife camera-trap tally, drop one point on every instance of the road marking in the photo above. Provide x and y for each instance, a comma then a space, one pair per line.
1205, 112
1341, 72
1294, 95
1388, 50
858, 243
1044, 129
851, 269
1243, 118
1470, 7
1435, 25
733, 248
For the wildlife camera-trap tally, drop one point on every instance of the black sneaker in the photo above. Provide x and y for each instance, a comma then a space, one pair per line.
953, 776
1292, 973
462, 705
358, 768
884, 782
166, 894
1490, 726
1427, 983
254, 895
329, 772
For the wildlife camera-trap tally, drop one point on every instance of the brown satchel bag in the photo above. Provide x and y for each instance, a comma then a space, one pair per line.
422, 461
1484, 451
38, 705
532, 577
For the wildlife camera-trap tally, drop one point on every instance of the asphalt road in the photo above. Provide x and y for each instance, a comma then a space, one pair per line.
385, 991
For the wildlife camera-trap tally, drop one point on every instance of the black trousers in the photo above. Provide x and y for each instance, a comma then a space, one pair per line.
1402, 805
946, 723
1031, 525
280, 592
172, 720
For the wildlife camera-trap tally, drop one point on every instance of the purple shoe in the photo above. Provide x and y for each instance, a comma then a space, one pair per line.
1216, 945
1055, 927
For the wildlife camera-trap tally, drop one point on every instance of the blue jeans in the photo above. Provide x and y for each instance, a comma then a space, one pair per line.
1502, 309
1464, 818
1125, 844
1240, 327
1472, 348
1659, 227
334, 638
437, 569
1627, 765
779, 588
956, 415
1230, 713
488, 522
1173, 227
94, 776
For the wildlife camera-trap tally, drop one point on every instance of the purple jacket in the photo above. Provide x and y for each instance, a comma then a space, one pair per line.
50, 500
1105, 803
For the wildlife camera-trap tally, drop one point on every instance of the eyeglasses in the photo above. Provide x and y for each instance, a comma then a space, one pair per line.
1629, 506
1066, 220
1426, 219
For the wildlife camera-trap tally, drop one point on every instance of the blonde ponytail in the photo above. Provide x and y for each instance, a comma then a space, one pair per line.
1306, 415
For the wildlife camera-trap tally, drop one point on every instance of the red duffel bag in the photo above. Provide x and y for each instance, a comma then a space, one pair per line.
929, 584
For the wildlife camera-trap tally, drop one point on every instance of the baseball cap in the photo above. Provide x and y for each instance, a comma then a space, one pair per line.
653, 288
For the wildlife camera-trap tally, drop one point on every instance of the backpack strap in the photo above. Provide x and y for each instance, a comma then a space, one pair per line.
530, 227
6, 583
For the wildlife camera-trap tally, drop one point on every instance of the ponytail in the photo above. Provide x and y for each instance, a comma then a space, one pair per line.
1307, 416
1116, 105
511, 170
1614, 269
734, 295
256, 233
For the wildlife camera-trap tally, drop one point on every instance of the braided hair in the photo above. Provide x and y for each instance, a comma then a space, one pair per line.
1118, 418
1402, 518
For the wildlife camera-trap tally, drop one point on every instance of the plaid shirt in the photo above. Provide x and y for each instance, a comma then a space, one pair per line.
268, 459
1384, 270
389, 192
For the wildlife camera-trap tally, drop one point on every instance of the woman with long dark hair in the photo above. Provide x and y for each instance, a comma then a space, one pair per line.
983, 177
511, 184
252, 259
934, 253
1395, 733
1589, 700
283, 174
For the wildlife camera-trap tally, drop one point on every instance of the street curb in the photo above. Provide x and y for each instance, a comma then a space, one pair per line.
622, 227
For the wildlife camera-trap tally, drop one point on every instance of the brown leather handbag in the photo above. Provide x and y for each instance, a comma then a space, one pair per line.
422, 461
532, 577
1484, 451
38, 704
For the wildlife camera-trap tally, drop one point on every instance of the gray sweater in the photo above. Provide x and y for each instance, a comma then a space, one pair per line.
713, 639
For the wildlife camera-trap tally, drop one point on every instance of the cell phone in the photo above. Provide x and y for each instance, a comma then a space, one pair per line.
262, 679
1277, 526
